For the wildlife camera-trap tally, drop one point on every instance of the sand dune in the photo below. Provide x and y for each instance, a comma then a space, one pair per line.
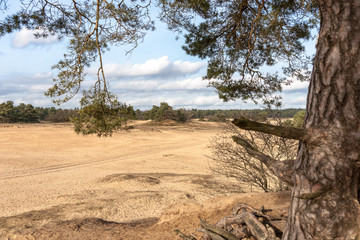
51, 177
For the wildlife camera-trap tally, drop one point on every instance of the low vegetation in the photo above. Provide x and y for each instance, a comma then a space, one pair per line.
233, 160
27, 113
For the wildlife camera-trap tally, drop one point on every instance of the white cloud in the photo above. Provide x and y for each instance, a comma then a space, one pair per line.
145, 102
296, 86
160, 67
207, 100
143, 85
301, 100
40, 88
186, 84
183, 99
187, 67
156, 85
177, 102
25, 88
43, 75
26, 37
186, 92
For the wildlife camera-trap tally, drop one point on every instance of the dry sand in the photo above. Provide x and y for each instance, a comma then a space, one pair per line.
138, 184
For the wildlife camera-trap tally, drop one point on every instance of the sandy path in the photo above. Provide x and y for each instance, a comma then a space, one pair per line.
135, 174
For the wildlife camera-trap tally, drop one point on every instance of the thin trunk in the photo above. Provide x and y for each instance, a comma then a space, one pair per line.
325, 197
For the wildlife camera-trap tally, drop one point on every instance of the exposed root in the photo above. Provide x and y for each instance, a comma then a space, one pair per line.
246, 222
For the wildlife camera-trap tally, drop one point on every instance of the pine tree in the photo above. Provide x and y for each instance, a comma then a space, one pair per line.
239, 38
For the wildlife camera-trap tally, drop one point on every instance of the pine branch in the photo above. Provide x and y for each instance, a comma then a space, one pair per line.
281, 169
285, 132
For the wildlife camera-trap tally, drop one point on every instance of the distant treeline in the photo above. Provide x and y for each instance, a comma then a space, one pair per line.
164, 111
27, 113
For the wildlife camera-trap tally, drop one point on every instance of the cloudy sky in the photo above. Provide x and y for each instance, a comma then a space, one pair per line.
158, 70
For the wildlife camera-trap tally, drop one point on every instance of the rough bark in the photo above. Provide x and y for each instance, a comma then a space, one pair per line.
285, 132
325, 197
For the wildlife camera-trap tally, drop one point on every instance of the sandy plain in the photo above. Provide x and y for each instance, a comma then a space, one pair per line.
138, 184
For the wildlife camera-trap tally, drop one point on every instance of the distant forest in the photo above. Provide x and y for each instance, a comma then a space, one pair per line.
27, 113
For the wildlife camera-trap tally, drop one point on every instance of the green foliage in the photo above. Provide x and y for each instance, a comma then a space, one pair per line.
152, 113
253, 114
182, 115
100, 114
165, 112
129, 112
7, 111
11, 113
299, 119
20, 113
218, 117
27, 113
180, 14
60, 115
241, 37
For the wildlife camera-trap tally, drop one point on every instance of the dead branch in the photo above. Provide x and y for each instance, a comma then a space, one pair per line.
282, 169
284, 132
272, 234
183, 236
246, 223
217, 230
212, 235
258, 213
256, 227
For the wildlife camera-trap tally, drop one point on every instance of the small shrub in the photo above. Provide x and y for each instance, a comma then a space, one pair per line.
233, 160
299, 118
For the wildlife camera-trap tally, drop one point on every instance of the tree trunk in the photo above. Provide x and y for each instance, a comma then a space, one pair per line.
325, 197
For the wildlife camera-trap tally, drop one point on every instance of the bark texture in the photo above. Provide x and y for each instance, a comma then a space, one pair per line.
325, 197
284, 132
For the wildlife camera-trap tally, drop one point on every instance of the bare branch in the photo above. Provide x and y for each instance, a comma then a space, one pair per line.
316, 194
217, 230
75, 4
285, 132
213, 236
183, 236
281, 169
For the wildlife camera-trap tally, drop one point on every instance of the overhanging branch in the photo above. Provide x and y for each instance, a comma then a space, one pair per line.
285, 132
281, 169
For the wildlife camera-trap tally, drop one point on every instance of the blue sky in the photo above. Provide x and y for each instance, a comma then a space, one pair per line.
158, 70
